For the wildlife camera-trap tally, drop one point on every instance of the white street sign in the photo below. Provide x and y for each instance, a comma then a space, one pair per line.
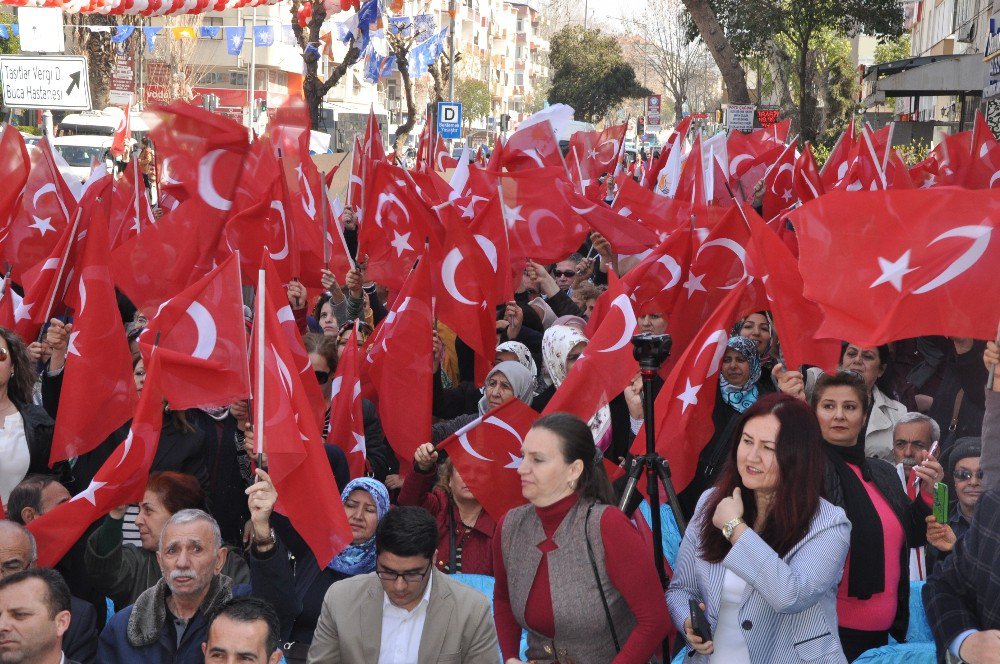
56, 82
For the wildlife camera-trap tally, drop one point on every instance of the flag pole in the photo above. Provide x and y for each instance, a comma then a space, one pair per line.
62, 268
326, 222
258, 411
990, 377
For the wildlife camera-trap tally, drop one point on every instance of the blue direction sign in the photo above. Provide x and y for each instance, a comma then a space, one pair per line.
449, 119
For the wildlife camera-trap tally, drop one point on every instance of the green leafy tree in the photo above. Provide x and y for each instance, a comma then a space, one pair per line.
793, 36
12, 45
475, 97
892, 50
590, 73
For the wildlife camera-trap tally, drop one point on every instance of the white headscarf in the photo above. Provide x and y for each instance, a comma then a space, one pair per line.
557, 343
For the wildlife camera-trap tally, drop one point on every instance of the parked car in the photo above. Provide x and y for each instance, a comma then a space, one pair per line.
81, 151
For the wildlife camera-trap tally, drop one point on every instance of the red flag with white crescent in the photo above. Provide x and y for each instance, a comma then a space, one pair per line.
347, 425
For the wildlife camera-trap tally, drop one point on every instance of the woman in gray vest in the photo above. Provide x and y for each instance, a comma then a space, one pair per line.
764, 552
570, 568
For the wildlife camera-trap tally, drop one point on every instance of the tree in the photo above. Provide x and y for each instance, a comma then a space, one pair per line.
792, 35
178, 72
706, 21
893, 49
97, 46
475, 98
590, 73
661, 42
440, 71
307, 39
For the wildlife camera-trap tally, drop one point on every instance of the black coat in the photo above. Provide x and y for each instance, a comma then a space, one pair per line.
38, 426
79, 643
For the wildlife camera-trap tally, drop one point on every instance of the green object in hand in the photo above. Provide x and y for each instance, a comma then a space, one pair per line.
941, 502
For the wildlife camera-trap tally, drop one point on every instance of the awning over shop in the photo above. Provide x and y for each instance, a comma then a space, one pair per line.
929, 76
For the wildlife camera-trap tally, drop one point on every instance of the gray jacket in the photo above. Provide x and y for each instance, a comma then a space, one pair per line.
789, 608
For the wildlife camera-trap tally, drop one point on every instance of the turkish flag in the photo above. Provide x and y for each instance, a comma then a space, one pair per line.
984, 167
490, 232
540, 226
123, 133
47, 208
901, 264
952, 162
487, 452
356, 182
396, 226
797, 318
683, 407
347, 425
203, 342
606, 366
652, 210
691, 185
533, 147
122, 478
806, 179
835, 168
9, 302
779, 188
719, 266
750, 155
655, 283
677, 136
278, 294
130, 210
14, 167
598, 153
373, 148
296, 459
98, 371
626, 236
465, 286
398, 365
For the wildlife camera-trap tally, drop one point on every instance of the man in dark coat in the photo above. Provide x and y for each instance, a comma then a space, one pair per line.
34, 617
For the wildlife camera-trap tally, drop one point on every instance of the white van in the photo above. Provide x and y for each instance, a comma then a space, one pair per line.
100, 123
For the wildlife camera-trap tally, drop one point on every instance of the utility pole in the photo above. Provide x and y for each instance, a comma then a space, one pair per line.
451, 51
585, 12
251, 82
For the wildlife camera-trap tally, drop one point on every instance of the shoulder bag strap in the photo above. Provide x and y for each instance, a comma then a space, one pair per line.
597, 578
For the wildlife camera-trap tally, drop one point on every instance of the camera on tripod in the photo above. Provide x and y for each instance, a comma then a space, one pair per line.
651, 350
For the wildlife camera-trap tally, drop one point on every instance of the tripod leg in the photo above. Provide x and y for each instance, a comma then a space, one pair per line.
663, 470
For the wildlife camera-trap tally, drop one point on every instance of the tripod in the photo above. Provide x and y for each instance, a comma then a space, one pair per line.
651, 351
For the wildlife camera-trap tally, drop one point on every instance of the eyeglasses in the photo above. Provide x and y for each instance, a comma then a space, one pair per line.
963, 475
409, 577
563, 273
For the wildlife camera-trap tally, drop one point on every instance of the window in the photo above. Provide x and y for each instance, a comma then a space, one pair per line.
519, 78
519, 53
520, 24
238, 78
391, 90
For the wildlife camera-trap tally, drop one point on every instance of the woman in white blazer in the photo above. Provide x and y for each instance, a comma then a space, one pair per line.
764, 552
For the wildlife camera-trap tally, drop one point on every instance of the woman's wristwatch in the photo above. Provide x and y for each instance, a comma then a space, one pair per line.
730, 526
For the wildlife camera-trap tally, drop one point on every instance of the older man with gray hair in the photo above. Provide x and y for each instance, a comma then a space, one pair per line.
912, 439
169, 622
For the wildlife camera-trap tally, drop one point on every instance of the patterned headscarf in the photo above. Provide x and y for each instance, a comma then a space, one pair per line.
523, 354
520, 380
360, 558
743, 397
557, 342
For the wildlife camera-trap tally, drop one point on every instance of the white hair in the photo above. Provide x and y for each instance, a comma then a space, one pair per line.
190, 516
913, 417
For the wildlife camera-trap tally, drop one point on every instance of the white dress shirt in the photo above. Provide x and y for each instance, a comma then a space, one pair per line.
402, 630
14, 455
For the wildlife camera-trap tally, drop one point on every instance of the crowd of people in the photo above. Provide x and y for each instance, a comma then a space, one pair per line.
811, 512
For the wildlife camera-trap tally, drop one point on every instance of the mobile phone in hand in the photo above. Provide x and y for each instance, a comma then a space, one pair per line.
699, 621
941, 502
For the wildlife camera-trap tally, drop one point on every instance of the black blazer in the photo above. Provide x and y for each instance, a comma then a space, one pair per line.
964, 591
79, 643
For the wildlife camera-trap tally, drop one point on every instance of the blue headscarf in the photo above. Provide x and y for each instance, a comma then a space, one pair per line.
360, 558
743, 397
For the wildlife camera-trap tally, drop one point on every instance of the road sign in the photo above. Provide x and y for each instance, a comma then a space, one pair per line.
122, 89
57, 82
449, 119
739, 117
653, 110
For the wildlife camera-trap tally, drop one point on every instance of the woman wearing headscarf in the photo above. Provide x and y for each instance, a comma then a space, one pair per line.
366, 502
463, 398
504, 382
740, 385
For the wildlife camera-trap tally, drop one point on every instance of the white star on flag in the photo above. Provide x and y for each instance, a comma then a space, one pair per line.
88, 493
515, 461
360, 447
401, 243
689, 396
469, 211
23, 311
71, 346
512, 215
43, 225
693, 284
893, 271
592, 153
787, 195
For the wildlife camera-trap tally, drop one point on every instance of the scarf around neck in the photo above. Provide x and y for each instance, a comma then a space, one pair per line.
360, 558
741, 398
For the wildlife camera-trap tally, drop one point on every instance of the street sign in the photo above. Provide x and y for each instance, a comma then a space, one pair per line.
449, 119
122, 89
739, 117
56, 82
653, 111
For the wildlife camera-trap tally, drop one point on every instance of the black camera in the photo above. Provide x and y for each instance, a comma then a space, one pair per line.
651, 350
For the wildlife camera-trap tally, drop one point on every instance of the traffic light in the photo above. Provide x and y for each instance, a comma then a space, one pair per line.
504, 122
640, 126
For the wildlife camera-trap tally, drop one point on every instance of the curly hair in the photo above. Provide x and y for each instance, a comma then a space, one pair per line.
22, 378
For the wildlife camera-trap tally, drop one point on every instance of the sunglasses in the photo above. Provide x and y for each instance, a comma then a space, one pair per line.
964, 475
322, 376
563, 273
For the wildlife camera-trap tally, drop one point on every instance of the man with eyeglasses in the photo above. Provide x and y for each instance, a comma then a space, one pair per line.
406, 612
19, 553
967, 476
913, 437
